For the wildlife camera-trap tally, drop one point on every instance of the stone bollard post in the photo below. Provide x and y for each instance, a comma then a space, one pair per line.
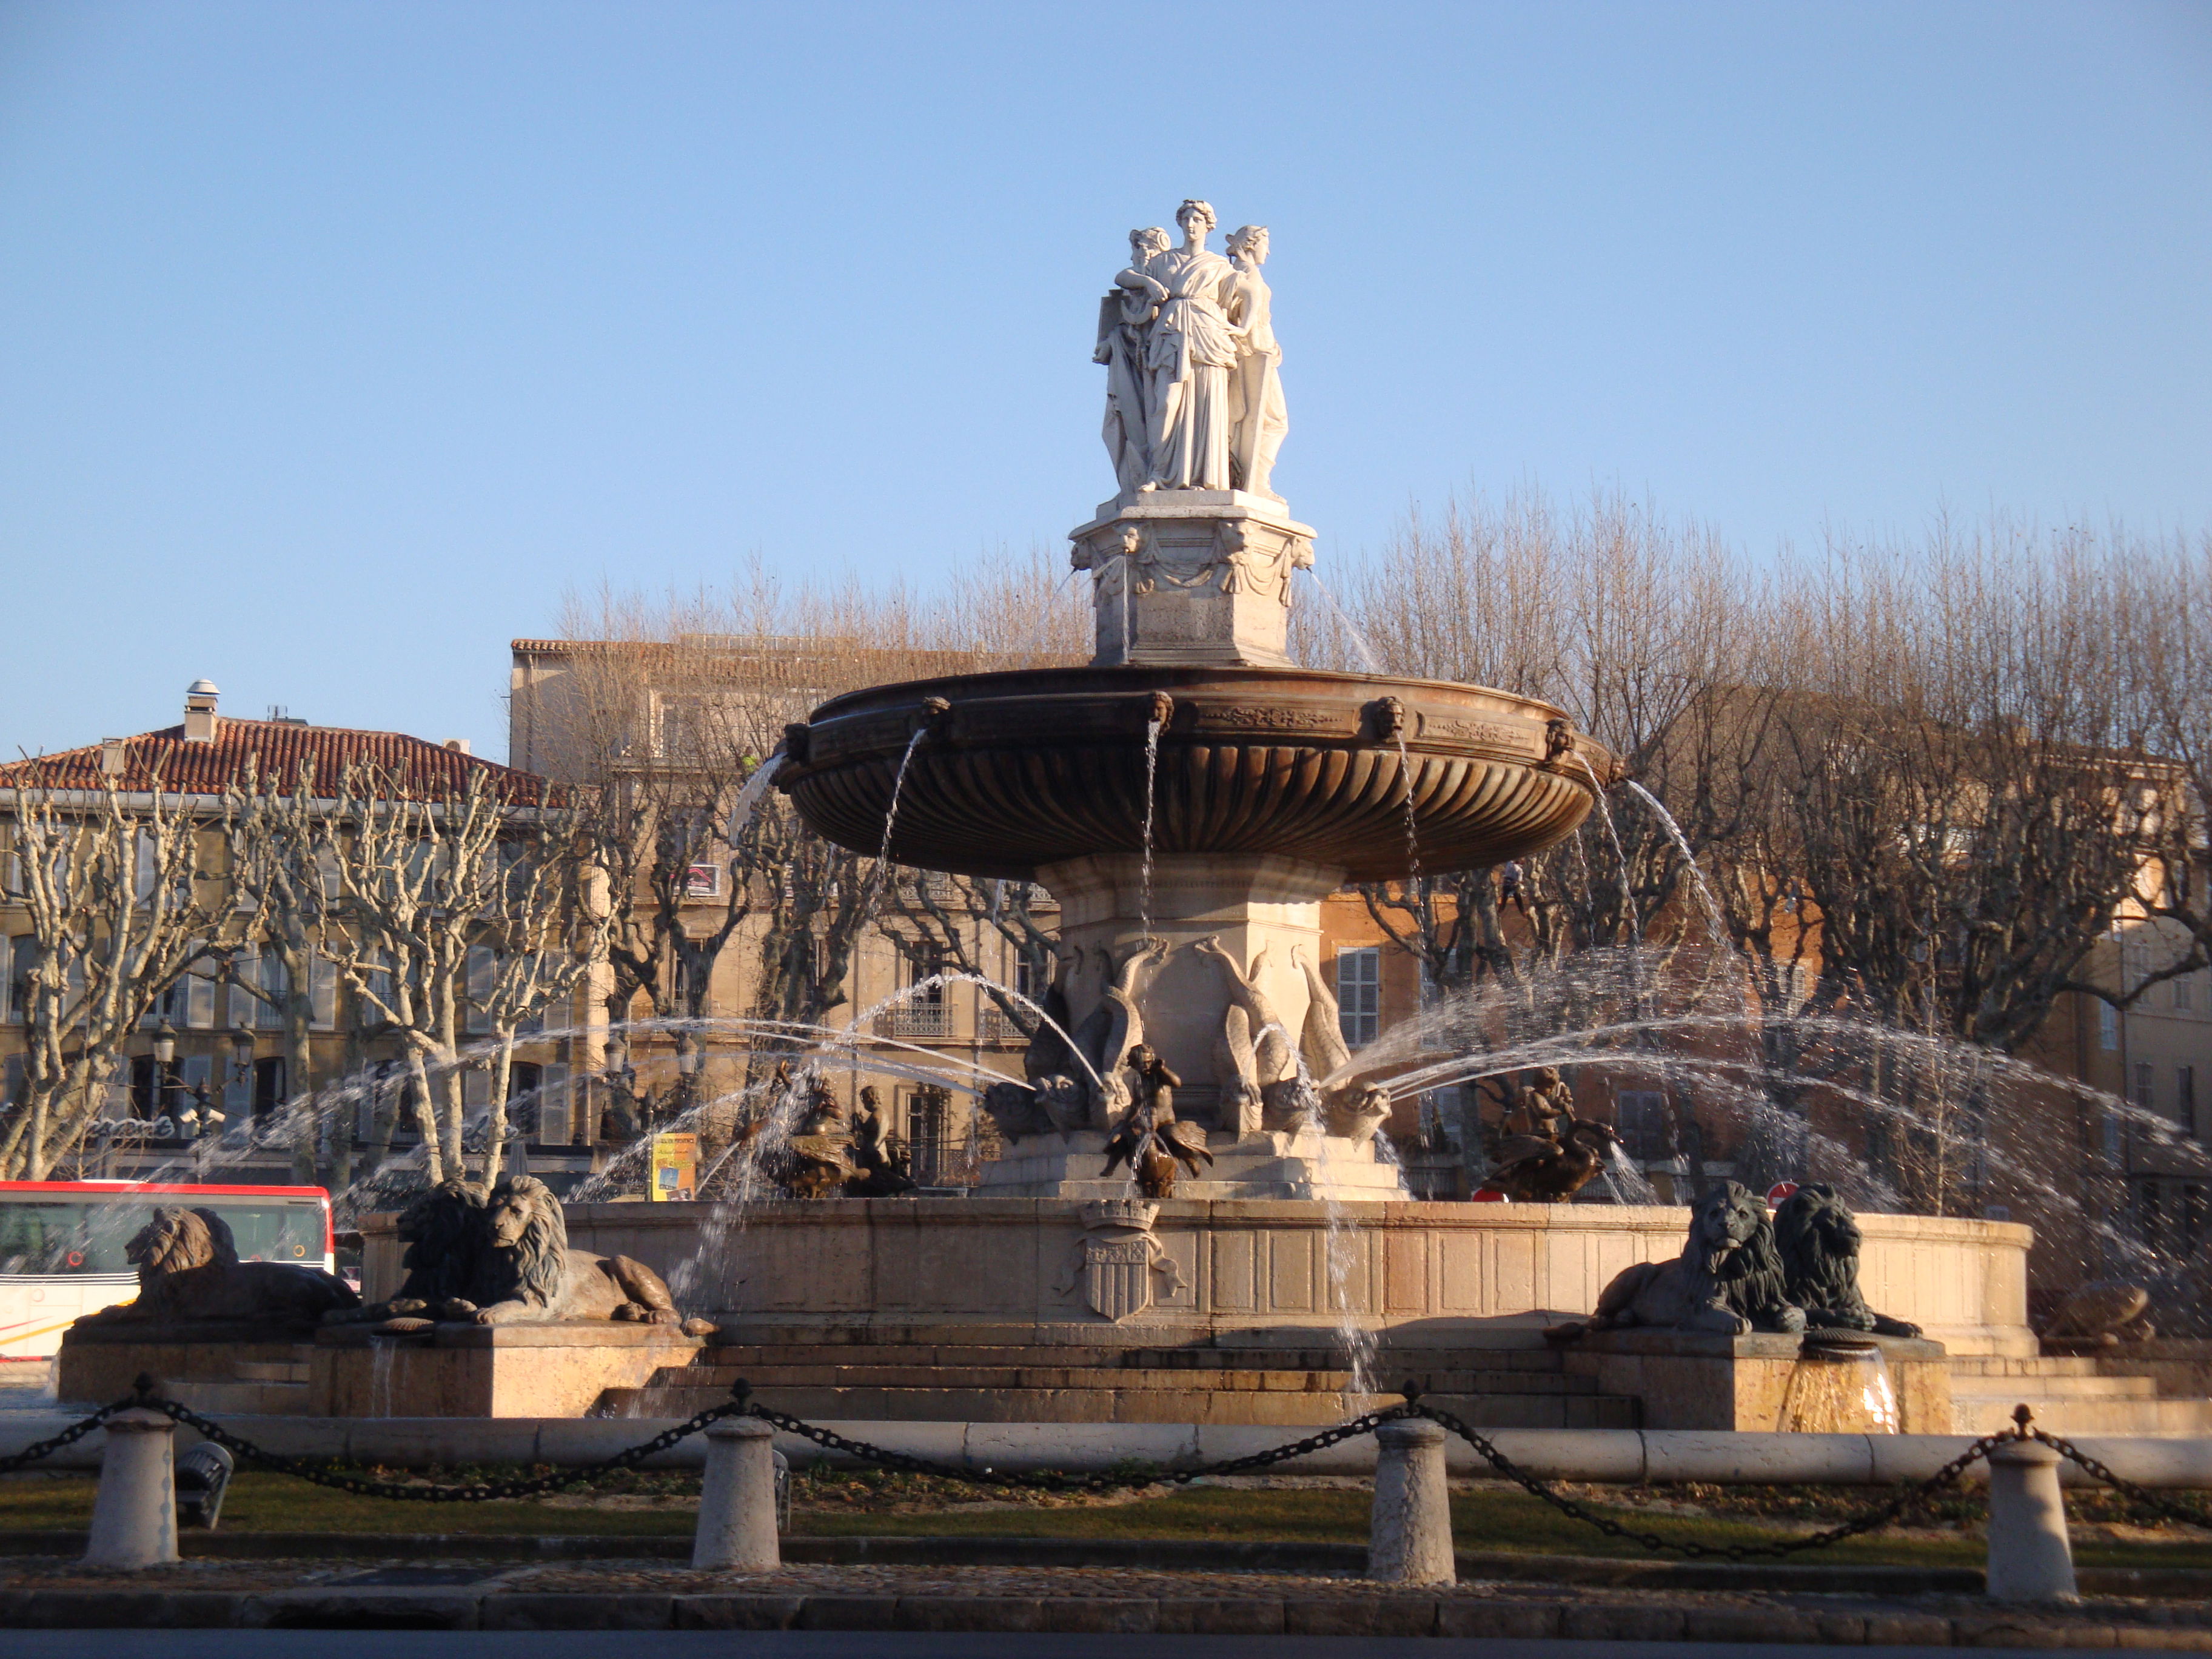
134, 1513
736, 1499
1409, 1538
2031, 1559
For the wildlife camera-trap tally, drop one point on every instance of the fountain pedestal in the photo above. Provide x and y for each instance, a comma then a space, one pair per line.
1272, 1164
1192, 576
1251, 903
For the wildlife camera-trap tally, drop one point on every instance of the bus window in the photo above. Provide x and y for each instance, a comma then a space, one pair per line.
44, 1237
274, 1232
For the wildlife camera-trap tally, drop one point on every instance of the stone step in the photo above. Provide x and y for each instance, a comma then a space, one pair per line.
1992, 1364
1284, 1409
2031, 1389
1979, 1413
1079, 1377
1224, 1358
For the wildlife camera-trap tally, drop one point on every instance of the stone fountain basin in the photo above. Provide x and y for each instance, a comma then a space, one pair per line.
1016, 772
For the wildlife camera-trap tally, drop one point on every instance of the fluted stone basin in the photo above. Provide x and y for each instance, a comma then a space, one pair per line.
1018, 772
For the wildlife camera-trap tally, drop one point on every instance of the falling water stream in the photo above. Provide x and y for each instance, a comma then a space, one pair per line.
1715, 924
749, 798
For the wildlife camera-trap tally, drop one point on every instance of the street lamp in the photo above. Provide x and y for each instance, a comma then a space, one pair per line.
687, 1074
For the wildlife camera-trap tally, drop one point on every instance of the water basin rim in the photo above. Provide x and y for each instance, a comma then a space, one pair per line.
1135, 679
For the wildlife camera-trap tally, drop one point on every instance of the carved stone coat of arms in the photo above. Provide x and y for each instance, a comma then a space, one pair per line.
1119, 1261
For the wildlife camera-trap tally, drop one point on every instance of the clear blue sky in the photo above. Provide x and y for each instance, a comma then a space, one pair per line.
339, 338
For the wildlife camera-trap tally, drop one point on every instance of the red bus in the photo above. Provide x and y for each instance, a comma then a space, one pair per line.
61, 1245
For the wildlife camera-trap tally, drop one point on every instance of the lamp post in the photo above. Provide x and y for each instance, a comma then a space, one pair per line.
620, 1079
241, 1056
196, 1122
687, 1071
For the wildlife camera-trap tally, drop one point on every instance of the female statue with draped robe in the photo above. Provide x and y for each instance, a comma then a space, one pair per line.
1189, 353
1257, 418
1125, 316
1194, 400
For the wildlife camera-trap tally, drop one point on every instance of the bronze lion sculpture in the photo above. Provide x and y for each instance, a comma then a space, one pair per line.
188, 1269
1728, 1280
440, 1227
525, 1270
1818, 1239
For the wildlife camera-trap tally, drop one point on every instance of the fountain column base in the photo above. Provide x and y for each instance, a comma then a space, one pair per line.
1251, 904
1273, 1164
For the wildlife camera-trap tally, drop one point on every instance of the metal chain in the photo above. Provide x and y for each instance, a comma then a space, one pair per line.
68, 1436
2141, 1495
1058, 1480
332, 1474
1864, 1522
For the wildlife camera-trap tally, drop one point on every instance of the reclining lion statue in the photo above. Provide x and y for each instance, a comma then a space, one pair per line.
1727, 1281
1818, 1239
439, 1226
188, 1269
525, 1270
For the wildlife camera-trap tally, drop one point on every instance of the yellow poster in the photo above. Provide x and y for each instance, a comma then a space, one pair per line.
675, 1167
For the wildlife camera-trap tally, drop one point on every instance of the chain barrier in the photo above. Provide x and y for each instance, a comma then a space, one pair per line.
1880, 1515
2140, 1496
68, 1436
334, 1474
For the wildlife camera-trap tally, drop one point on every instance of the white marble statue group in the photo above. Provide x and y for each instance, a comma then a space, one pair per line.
1194, 400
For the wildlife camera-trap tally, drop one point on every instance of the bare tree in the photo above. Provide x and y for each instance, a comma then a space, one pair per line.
122, 896
280, 872
426, 878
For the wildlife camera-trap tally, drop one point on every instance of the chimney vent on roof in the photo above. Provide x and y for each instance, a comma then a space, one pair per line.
111, 757
199, 712
458, 745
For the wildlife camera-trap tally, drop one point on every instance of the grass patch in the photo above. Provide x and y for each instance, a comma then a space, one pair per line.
838, 1503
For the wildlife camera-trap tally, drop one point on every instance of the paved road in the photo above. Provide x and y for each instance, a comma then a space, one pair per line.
837, 1644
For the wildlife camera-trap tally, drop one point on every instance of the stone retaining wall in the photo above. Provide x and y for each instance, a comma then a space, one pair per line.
1464, 1274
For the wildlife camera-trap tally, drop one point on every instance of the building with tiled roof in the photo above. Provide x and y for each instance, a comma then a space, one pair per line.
207, 752
229, 1043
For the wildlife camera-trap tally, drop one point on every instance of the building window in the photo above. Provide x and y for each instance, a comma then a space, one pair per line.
1359, 995
929, 1134
268, 1085
2108, 1027
15, 995
1643, 1123
2145, 1092
683, 728
2185, 1094
2185, 1000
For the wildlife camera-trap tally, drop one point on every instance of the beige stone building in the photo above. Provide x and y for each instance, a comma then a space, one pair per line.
231, 1049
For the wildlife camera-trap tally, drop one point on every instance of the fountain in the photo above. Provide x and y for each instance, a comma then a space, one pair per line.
1191, 796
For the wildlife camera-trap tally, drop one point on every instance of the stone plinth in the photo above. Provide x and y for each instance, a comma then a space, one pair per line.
1270, 1165
1690, 1380
452, 1371
1192, 576
555, 1370
217, 1368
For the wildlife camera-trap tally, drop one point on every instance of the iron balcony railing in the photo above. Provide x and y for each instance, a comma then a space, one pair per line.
921, 1020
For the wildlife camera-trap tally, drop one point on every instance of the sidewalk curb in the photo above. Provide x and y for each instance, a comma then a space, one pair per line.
1378, 1614
1164, 1555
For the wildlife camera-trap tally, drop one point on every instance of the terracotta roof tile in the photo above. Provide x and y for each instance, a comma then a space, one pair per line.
277, 748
